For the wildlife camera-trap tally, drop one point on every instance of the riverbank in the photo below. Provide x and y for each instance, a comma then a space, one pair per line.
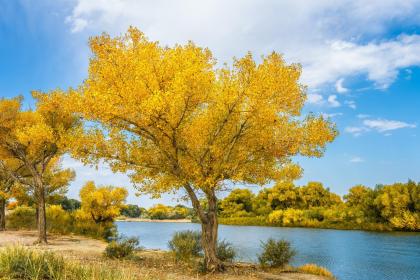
126, 219
147, 264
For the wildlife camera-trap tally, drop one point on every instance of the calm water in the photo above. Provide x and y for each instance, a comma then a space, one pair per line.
350, 255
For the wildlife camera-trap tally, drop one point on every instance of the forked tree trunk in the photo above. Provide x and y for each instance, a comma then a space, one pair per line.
209, 227
2, 214
42, 217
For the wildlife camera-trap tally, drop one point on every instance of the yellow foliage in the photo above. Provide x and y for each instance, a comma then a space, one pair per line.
103, 204
174, 119
58, 220
316, 270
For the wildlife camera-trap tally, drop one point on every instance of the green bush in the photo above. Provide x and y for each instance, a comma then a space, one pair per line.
21, 263
276, 253
225, 252
122, 247
22, 217
186, 244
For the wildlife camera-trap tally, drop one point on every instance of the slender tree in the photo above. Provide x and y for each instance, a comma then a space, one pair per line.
35, 138
174, 121
10, 171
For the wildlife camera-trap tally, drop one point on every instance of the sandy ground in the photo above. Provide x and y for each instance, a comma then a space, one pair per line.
150, 265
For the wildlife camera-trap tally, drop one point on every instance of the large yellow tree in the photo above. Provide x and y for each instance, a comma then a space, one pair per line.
174, 120
35, 138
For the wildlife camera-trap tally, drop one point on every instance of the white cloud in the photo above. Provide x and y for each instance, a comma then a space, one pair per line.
355, 130
339, 86
351, 104
362, 116
331, 39
357, 160
331, 115
383, 125
333, 102
314, 98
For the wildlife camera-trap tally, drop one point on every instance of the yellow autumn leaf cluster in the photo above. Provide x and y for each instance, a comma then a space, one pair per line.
171, 117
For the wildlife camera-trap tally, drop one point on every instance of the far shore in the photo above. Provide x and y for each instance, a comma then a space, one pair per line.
124, 219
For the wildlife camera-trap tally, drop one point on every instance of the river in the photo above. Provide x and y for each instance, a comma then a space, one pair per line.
349, 254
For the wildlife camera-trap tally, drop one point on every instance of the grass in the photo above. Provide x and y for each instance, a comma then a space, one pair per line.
27, 264
316, 270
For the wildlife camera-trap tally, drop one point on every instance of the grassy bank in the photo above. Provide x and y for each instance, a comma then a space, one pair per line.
263, 221
66, 257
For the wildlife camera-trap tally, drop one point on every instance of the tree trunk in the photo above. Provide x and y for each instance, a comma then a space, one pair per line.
42, 217
2, 214
209, 242
209, 228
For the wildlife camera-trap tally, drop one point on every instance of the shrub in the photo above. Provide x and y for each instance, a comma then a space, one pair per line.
225, 252
21, 263
316, 270
22, 217
186, 244
122, 247
84, 224
58, 220
276, 253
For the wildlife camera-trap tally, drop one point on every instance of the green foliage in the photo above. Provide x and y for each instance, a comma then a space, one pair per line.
21, 263
186, 244
70, 204
237, 204
22, 217
122, 247
131, 211
385, 208
225, 251
275, 253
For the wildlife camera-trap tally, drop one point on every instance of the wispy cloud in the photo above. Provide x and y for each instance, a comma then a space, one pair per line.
356, 160
383, 125
339, 86
380, 125
333, 102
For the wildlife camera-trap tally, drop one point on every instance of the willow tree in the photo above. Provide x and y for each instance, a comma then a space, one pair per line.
173, 120
35, 138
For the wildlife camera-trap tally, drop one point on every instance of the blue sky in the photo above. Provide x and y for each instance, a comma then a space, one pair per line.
360, 61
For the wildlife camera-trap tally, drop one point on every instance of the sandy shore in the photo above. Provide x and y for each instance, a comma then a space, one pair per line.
152, 221
151, 264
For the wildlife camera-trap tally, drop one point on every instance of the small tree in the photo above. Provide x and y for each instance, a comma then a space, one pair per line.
103, 204
167, 115
35, 138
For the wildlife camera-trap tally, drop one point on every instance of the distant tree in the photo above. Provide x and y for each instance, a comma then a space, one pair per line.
132, 211
159, 212
315, 195
238, 203
69, 204
399, 204
103, 204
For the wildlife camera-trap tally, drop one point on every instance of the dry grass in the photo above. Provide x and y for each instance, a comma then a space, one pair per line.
315, 270
146, 264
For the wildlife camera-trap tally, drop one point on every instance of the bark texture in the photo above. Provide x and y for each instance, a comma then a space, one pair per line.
2, 214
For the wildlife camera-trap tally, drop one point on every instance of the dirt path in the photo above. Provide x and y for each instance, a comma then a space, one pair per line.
154, 264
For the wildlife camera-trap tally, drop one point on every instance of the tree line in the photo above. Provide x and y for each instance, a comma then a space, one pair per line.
385, 207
